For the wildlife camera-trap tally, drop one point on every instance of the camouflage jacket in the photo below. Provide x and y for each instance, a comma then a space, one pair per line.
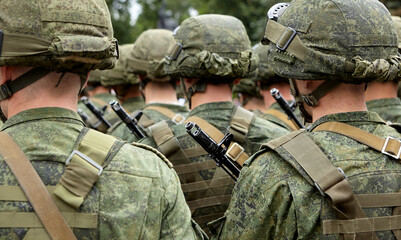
273, 201
209, 203
120, 130
137, 195
129, 105
388, 108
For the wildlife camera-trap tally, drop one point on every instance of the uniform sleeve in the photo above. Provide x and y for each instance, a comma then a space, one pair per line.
261, 206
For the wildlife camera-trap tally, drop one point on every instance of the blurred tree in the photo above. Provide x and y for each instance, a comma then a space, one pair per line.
121, 19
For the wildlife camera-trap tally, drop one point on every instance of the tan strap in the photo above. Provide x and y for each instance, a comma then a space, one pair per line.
389, 146
83, 167
209, 201
379, 200
15, 193
100, 102
362, 225
195, 152
33, 187
206, 184
174, 117
240, 124
144, 121
31, 220
235, 151
282, 117
195, 167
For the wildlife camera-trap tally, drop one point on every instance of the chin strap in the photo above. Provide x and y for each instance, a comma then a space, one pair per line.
200, 86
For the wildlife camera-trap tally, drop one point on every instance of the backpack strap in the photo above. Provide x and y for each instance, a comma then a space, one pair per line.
174, 117
305, 155
84, 165
389, 146
282, 117
34, 189
240, 123
235, 151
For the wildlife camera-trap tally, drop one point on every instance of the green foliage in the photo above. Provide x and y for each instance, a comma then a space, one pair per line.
121, 18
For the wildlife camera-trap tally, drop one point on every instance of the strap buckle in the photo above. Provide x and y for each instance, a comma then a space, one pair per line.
289, 39
5, 91
233, 153
176, 119
320, 189
385, 146
86, 158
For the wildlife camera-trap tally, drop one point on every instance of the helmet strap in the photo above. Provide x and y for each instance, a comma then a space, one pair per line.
199, 86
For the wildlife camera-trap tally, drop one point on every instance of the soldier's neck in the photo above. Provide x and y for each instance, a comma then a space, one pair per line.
213, 93
379, 90
161, 92
255, 104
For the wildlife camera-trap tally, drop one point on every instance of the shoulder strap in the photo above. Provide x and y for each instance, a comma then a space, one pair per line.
282, 117
235, 151
389, 146
84, 166
34, 189
240, 123
174, 117
305, 155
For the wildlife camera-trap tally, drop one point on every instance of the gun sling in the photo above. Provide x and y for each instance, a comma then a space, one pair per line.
175, 117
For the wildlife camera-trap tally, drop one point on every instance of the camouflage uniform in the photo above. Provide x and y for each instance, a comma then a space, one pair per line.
273, 118
388, 108
207, 188
146, 59
276, 197
138, 195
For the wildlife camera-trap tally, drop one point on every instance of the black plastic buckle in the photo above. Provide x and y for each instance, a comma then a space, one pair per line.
5, 91
288, 41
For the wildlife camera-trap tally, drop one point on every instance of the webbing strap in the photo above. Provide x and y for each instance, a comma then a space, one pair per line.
195, 152
201, 220
144, 121
207, 184
379, 200
100, 102
15, 193
33, 187
235, 151
30, 220
389, 146
209, 201
195, 167
84, 167
362, 225
240, 123
282, 117
12, 46
175, 117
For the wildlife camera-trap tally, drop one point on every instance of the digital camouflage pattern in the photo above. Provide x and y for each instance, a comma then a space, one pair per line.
120, 130
137, 196
218, 184
248, 87
388, 108
364, 51
146, 58
49, 36
271, 200
212, 45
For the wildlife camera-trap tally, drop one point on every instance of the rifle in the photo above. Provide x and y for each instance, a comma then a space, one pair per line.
130, 122
83, 115
287, 108
98, 113
216, 150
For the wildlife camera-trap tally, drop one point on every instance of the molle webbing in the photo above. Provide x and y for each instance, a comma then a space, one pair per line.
282, 117
235, 151
319, 171
33, 187
84, 166
388, 146
174, 117
100, 102
240, 123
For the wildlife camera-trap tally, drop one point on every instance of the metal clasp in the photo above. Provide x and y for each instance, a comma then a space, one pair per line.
232, 156
320, 189
289, 39
86, 158
176, 117
389, 154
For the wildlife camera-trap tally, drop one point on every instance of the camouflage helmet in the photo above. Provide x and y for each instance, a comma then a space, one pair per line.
63, 36
147, 56
120, 75
351, 41
247, 86
266, 75
211, 45
397, 25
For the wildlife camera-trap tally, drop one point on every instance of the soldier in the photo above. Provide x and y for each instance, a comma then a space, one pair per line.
249, 97
336, 180
158, 88
382, 97
211, 52
267, 79
103, 187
